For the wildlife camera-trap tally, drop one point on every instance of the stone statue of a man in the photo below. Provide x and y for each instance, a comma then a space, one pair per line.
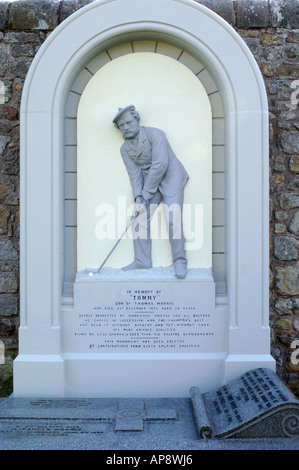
156, 176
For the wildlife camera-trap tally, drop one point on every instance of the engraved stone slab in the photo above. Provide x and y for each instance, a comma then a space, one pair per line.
257, 404
43, 427
63, 416
132, 414
144, 317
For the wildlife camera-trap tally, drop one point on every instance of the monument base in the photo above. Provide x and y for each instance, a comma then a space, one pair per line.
136, 334
140, 376
143, 333
39, 375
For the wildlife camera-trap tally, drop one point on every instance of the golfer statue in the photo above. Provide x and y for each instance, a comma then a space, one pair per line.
156, 176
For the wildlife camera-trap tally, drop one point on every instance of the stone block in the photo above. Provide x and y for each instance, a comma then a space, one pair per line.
223, 8
294, 225
7, 327
294, 164
288, 69
10, 164
3, 59
9, 112
279, 164
283, 306
8, 283
20, 66
287, 280
292, 51
7, 251
269, 38
3, 13
253, 14
294, 184
19, 50
22, 37
284, 13
8, 305
284, 323
4, 189
4, 215
289, 142
280, 228
289, 201
68, 7
293, 36
34, 14
281, 215
4, 139
286, 248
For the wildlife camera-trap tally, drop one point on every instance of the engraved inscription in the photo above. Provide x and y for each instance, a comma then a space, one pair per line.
256, 393
145, 319
256, 404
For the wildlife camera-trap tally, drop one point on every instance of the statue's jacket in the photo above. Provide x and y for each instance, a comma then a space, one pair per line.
152, 165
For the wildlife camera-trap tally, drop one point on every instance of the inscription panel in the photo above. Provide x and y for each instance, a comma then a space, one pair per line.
245, 401
145, 317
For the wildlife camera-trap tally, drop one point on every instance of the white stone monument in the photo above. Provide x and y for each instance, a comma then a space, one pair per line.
124, 333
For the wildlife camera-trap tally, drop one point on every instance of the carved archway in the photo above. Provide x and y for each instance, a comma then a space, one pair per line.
61, 69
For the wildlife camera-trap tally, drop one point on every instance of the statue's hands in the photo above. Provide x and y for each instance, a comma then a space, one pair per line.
140, 205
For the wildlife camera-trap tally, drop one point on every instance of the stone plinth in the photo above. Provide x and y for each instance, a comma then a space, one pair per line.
143, 329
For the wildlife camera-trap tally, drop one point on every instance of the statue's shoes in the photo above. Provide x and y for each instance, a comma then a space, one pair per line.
136, 265
180, 269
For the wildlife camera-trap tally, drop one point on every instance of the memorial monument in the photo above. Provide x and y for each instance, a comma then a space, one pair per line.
158, 331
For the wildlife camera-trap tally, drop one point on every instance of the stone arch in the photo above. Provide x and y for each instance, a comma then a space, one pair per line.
63, 59
70, 150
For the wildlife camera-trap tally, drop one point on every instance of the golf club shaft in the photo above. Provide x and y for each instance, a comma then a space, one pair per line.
122, 235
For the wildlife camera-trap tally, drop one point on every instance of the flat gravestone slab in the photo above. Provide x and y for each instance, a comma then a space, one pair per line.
256, 405
63, 416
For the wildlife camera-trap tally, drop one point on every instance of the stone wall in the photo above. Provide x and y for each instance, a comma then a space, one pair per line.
271, 30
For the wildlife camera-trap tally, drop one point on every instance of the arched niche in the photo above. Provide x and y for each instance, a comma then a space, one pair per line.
168, 96
205, 81
100, 32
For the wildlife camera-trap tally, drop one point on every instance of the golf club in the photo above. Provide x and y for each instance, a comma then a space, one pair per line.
91, 274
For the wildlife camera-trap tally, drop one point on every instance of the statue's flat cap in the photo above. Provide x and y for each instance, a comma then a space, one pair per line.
122, 111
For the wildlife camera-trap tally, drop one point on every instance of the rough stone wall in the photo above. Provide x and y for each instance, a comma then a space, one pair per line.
271, 30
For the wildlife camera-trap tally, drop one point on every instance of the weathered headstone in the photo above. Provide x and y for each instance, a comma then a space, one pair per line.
255, 405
